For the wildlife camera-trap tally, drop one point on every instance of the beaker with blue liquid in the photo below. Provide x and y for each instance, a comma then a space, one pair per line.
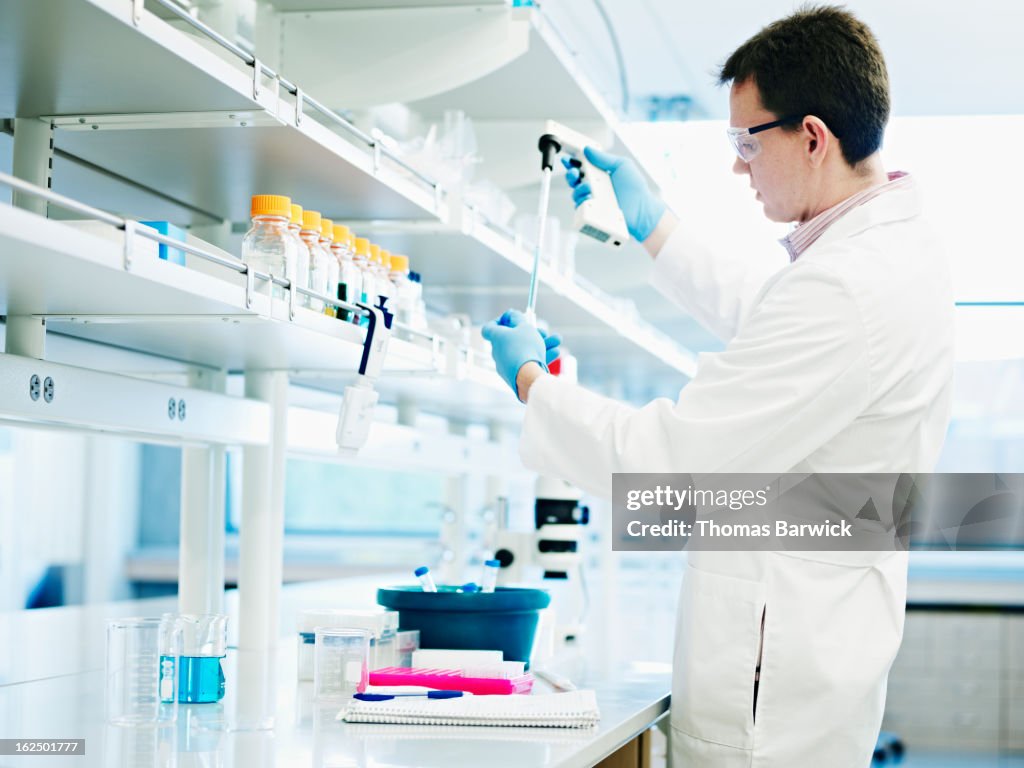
204, 641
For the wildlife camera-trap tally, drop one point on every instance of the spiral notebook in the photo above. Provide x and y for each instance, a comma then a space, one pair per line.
575, 709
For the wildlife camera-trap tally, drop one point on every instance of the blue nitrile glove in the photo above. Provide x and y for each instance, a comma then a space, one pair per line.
552, 342
514, 343
641, 207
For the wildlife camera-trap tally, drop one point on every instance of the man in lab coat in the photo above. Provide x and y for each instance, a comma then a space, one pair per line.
839, 362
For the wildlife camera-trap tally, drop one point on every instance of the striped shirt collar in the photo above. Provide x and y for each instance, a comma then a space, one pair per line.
805, 235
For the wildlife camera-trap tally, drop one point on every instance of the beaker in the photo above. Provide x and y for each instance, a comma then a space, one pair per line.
141, 676
340, 662
203, 645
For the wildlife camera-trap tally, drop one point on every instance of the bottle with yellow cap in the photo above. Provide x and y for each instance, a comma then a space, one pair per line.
350, 279
310, 234
404, 293
362, 259
268, 247
331, 280
301, 253
382, 286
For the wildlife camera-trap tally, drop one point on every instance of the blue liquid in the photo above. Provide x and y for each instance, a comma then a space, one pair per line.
200, 679
362, 319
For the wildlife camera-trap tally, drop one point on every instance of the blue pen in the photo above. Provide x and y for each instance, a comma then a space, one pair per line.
389, 696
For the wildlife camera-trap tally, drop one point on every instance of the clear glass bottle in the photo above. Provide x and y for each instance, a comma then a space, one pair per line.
300, 274
267, 247
373, 292
310, 234
380, 270
350, 279
362, 261
331, 281
403, 299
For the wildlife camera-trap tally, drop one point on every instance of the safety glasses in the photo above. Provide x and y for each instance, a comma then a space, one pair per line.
746, 143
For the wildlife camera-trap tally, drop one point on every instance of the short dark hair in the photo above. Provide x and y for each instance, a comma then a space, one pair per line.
820, 61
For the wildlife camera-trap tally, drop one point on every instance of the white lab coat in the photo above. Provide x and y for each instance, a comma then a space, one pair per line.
840, 362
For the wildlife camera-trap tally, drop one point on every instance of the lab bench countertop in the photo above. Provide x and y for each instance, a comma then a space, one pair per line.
307, 733
50, 700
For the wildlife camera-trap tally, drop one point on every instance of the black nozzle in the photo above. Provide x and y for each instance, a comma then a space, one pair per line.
549, 146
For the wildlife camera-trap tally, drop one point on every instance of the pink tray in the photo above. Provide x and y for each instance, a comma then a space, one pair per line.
450, 680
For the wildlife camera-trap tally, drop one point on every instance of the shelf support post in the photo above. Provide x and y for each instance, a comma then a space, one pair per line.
32, 160
26, 336
201, 551
261, 553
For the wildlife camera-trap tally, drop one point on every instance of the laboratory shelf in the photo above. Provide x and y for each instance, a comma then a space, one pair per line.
216, 161
187, 124
508, 68
489, 59
463, 391
56, 62
544, 83
186, 120
79, 282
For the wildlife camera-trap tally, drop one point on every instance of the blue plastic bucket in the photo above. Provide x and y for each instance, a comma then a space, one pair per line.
504, 620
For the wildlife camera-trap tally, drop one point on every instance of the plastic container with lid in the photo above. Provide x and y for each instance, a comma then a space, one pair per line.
300, 274
310, 234
382, 626
327, 243
350, 278
268, 247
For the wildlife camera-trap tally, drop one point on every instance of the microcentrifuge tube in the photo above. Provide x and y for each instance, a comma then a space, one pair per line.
423, 574
469, 588
490, 575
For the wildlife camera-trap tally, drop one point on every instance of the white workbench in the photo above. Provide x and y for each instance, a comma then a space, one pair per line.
52, 681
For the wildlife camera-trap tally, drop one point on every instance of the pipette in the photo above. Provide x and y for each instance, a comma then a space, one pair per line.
549, 147
598, 216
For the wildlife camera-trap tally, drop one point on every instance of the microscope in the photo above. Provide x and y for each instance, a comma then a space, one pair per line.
550, 553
